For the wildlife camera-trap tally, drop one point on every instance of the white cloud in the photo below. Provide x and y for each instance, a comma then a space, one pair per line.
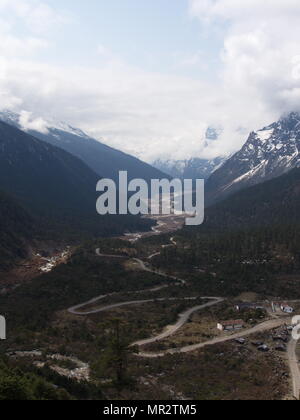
36, 14
28, 122
143, 113
244, 10
159, 115
259, 77
12, 46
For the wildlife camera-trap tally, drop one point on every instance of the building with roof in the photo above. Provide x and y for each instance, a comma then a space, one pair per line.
285, 307
232, 325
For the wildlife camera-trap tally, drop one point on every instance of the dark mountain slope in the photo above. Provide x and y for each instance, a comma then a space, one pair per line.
249, 243
103, 160
43, 178
275, 202
53, 184
260, 223
16, 231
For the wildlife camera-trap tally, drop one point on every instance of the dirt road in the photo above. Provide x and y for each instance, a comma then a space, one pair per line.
268, 325
274, 323
143, 266
183, 319
75, 311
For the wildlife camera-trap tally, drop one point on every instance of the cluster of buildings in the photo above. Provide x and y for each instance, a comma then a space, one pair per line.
238, 324
284, 307
235, 325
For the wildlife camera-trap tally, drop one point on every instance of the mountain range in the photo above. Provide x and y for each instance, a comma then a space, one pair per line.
268, 153
49, 178
56, 186
195, 168
57, 189
43, 178
102, 159
272, 203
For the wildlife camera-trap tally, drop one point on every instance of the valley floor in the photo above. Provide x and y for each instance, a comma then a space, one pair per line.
170, 356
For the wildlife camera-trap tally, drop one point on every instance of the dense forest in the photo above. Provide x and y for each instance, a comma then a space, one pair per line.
56, 189
20, 381
264, 260
33, 305
248, 241
16, 231
17, 385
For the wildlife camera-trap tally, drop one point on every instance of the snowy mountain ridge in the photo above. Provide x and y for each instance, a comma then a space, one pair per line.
195, 168
267, 154
25, 122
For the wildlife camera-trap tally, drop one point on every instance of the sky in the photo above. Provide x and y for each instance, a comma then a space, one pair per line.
149, 77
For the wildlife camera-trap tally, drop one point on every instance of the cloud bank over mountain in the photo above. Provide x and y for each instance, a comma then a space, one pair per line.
260, 74
155, 114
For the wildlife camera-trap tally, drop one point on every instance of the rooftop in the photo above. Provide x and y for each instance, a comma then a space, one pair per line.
233, 322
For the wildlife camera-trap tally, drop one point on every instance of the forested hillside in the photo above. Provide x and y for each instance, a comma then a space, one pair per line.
16, 230
101, 159
55, 187
250, 241
276, 202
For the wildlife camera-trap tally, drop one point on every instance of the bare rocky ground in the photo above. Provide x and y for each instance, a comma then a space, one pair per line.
41, 261
70, 367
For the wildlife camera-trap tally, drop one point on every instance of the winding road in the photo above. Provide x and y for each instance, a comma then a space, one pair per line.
268, 325
75, 309
143, 267
183, 319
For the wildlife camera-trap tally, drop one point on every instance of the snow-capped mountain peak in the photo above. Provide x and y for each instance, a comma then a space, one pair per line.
195, 168
101, 158
27, 122
9, 117
268, 153
264, 135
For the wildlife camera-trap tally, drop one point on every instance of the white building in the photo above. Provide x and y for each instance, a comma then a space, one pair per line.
230, 325
286, 308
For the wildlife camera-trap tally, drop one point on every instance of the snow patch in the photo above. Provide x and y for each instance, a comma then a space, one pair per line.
66, 128
249, 175
28, 122
264, 135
